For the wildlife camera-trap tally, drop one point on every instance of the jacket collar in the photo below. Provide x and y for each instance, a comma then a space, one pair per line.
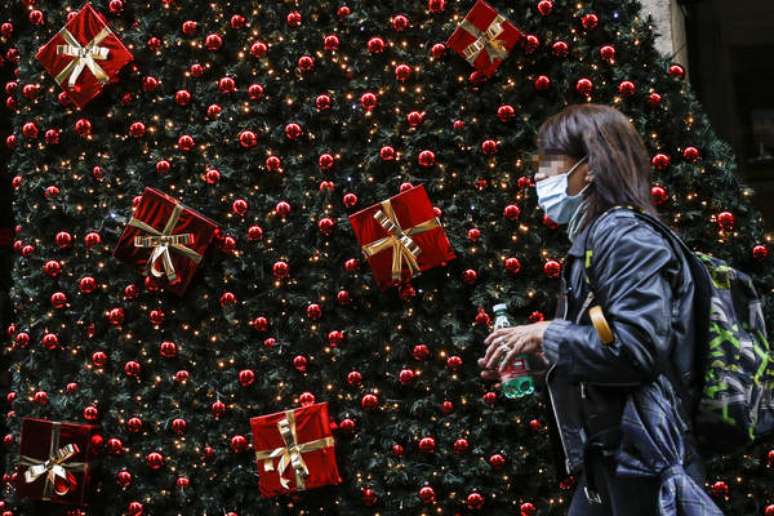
577, 247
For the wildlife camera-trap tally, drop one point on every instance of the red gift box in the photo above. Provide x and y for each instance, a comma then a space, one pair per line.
294, 450
84, 55
166, 239
401, 237
484, 38
54, 457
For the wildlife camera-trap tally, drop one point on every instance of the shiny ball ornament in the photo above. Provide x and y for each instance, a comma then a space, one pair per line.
52, 192
327, 186
376, 45
185, 143
247, 139
658, 195
460, 446
280, 269
150, 83
427, 494
58, 299
691, 154
527, 509
769, 510
369, 401
22, 339
590, 21
115, 6
347, 425
726, 220
627, 88
403, 72
331, 42
154, 460
258, 49
260, 324
30, 130
545, 7
368, 101
157, 316
115, 316
490, 398
92, 239
239, 207
719, 488
293, 19
246, 377
40, 397
560, 48
512, 212
343, 297
482, 318
97, 173
542, 83
506, 112
254, 233
552, 268
282, 209
168, 349
212, 177
137, 130
189, 27
124, 479
238, 443
469, 276
99, 358
447, 407
63, 239
179, 426
474, 501
438, 50
474, 234
387, 153
497, 460
90, 413
349, 200
306, 399
654, 100
354, 378
436, 6
368, 496
406, 376
163, 166
132, 368
676, 71
400, 22
760, 252
6, 30
50, 341
51, 136
489, 147
325, 161
115, 446
426, 159
213, 42
305, 63
182, 482
273, 164
313, 312
213, 111
454, 362
458, 125
134, 424
227, 85
420, 352
415, 118
293, 131
323, 102
218, 409
135, 508
397, 450
531, 43
154, 44
512, 265
228, 298
607, 53
335, 337
300, 363
584, 86
183, 97
535, 425
36, 17
427, 445
661, 161
255, 91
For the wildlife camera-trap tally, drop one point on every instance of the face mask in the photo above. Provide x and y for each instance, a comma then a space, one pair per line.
553, 198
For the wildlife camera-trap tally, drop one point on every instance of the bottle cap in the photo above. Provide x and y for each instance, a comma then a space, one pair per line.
501, 307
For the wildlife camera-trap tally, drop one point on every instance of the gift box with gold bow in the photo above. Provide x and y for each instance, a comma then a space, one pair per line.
401, 237
165, 239
84, 56
54, 460
294, 450
484, 38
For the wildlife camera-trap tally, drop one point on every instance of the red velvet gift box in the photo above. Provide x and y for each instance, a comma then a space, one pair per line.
166, 239
401, 237
295, 450
84, 55
54, 459
484, 38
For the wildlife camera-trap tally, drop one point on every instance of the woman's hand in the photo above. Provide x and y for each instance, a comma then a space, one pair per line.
504, 344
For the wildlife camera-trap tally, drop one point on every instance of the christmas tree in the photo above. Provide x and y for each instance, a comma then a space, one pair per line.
277, 121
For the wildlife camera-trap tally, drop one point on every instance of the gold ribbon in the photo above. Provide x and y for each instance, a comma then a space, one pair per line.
55, 466
291, 455
85, 57
486, 39
404, 249
162, 241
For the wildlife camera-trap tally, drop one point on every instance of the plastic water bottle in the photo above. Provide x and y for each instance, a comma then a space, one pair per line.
515, 379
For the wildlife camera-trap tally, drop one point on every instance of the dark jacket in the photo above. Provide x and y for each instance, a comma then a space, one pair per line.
644, 285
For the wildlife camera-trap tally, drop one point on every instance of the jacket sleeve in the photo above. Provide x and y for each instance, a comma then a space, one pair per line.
630, 283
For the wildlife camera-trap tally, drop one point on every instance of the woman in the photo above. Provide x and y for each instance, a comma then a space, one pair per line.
591, 158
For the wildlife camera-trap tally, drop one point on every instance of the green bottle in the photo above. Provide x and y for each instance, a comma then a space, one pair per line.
515, 380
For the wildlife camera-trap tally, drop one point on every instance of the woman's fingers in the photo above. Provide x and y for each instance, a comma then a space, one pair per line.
512, 353
495, 335
490, 374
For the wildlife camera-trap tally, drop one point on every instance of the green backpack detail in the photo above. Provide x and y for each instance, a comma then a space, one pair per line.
734, 359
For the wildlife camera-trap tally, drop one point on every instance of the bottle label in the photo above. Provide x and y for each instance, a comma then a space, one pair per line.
517, 367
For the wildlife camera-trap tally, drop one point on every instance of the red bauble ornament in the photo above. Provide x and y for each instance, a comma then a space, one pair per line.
40, 397
368, 496
400, 22
213, 111
156, 316
512, 265
300, 363
475, 501
168, 349
335, 337
607, 53
258, 49
280, 269
460, 446
305, 63
134, 424
627, 88
527, 509
306, 399
137, 130
375, 45
676, 71
155, 460
426, 159
590, 21
213, 42
132, 368
531, 43
403, 72
354, 378
185, 143
368, 101
469, 276
189, 27
545, 7
218, 408
323, 102
436, 6
90, 413
726, 220
760, 252
63, 239
552, 268
99, 358
415, 118
92, 239
454, 362
661, 161
227, 298
30, 130
406, 376
115, 316
294, 19
560, 48
427, 444
542, 83
369, 401
654, 100
347, 425
497, 460
50, 341
246, 377
506, 112
489, 147
247, 139
58, 299
313, 311
658, 195
179, 425
331, 42
438, 50
52, 136
238, 443
584, 86
282, 208
512, 212
691, 154
535, 424
239, 207
387, 153
719, 488
183, 97
427, 494
124, 479
769, 510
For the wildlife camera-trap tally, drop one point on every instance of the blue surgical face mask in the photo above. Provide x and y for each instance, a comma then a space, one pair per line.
553, 198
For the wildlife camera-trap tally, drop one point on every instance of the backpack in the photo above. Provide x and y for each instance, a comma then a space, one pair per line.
734, 361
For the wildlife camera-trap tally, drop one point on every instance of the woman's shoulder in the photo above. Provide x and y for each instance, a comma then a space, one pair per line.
624, 224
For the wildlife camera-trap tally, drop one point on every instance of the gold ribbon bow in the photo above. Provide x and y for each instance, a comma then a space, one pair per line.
85, 57
291, 455
404, 249
55, 467
486, 39
162, 241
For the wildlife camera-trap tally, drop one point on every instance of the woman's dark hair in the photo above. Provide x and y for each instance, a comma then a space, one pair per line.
616, 155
